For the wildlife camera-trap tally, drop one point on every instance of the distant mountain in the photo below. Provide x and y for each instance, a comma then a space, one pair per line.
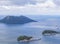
16, 20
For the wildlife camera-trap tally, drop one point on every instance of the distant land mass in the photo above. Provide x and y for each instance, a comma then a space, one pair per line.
16, 20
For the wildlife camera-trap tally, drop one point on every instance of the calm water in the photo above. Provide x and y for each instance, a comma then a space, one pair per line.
9, 33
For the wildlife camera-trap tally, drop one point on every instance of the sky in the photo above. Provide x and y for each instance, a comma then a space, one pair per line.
30, 7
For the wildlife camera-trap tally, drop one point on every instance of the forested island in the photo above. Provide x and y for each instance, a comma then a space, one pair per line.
27, 38
16, 20
50, 32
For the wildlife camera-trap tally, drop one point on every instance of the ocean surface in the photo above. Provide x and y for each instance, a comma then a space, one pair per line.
10, 33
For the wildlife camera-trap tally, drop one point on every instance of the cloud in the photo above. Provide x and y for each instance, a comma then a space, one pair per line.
20, 2
57, 2
23, 2
5, 2
17, 2
28, 7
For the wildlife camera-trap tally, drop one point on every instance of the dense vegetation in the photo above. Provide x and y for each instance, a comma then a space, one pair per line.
51, 32
23, 38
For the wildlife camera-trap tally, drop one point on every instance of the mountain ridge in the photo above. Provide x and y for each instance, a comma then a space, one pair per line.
16, 20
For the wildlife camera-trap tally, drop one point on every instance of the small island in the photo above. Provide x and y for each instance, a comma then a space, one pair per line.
27, 38
49, 32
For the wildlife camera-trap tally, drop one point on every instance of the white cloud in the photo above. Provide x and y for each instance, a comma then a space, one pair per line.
57, 2
5, 2
47, 7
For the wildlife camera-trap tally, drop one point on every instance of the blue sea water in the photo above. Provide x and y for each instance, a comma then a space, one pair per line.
9, 33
